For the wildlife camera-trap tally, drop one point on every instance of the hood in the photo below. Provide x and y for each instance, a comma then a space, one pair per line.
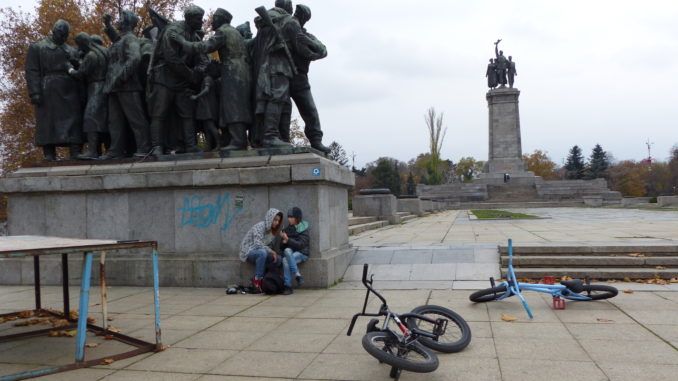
302, 226
270, 216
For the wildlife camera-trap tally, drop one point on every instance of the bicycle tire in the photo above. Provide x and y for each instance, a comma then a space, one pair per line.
457, 335
382, 345
488, 295
605, 292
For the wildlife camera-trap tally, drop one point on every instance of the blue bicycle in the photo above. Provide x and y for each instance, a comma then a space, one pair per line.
575, 289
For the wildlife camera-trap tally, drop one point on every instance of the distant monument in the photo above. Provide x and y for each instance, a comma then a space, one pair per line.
505, 148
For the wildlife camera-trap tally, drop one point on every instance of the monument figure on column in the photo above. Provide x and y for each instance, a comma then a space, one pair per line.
491, 74
501, 63
55, 94
511, 71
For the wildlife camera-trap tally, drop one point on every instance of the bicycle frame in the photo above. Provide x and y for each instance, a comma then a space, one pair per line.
513, 287
406, 335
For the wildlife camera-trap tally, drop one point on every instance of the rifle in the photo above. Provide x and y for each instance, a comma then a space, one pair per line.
266, 18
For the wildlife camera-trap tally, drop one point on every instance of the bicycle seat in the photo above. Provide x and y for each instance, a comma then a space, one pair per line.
574, 285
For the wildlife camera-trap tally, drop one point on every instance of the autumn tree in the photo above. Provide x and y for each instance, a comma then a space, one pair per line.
541, 164
575, 164
629, 178
469, 168
337, 153
385, 173
673, 169
17, 30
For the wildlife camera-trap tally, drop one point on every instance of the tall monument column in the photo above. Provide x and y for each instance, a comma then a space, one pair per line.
505, 149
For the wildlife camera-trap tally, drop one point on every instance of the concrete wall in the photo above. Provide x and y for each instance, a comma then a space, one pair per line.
197, 210
667, 201
410, 205
382, 206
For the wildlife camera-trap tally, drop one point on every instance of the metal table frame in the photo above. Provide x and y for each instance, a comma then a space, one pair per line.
82, 326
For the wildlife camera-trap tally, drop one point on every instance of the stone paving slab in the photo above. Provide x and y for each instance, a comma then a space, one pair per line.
303, 336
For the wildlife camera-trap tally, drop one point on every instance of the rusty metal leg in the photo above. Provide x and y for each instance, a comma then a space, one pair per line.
102, 292
36, 274
156, 300
81, 336
64, 278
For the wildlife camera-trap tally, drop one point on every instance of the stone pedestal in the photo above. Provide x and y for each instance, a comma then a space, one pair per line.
505, 150
197, 210
411, 205
382, 206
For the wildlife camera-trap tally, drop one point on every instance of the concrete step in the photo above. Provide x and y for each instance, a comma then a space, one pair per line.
357, 229
594, 273
360, 220
407, 217
590, 261
600, 250
515, 204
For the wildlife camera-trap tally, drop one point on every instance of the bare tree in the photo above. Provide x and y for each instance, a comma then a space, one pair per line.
437, 133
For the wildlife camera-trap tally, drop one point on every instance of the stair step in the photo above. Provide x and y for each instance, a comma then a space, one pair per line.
407, 217
589, 261
360, 220
594, 273
651, 250
357, 229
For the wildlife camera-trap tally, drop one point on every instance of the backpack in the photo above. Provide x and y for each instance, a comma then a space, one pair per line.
272, 283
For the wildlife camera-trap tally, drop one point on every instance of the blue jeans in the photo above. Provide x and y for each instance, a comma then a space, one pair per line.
292, 258
259, 257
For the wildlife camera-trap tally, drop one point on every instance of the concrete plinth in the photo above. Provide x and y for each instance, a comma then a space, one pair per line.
505, 150
197, 210
410, 205
382, 206
667, 201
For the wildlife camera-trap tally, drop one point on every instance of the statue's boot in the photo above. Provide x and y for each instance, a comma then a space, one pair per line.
92, 147
271, 127
49, 151
190, 141
238, 141
157, 151
320, 147
74, 151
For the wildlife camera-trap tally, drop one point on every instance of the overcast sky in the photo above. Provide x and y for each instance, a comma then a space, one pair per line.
588, 71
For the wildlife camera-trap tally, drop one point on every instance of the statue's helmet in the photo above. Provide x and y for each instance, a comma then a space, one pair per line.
97, 39
223, 14
83, 40
60, 31
510, 58
245, 30
284, 4
302, 13
128, 19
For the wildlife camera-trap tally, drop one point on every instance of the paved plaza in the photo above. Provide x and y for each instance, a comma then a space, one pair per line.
213, 336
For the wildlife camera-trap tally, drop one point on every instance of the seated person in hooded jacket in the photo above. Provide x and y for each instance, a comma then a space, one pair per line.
253, 249
295, 243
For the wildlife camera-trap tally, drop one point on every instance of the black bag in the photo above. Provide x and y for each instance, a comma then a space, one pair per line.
273, 283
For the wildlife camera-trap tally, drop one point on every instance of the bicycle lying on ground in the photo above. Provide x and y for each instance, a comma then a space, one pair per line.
407, 347
575, 289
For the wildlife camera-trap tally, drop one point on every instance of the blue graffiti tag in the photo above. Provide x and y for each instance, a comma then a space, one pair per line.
201, 214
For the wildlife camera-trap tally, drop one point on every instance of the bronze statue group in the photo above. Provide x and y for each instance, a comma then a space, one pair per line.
153, 95
500, 70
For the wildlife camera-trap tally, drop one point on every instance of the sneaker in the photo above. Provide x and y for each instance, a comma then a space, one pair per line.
257, 284
300, 280
288, 291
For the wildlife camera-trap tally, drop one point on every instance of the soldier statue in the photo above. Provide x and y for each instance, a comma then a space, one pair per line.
501, 64
491, 74
175, 76
124, 89
54, 93
92, 71
511, 71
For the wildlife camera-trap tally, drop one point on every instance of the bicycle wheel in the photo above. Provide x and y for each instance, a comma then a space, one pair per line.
488, 294
457, 335
598, 292
384, 346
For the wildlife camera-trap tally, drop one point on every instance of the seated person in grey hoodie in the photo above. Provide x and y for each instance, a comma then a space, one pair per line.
253, 249
295, 242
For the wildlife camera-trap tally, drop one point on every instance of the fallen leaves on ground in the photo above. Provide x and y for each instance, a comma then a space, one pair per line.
91, 345
508, 318
107, 361
628, 291
110, 319
638, 255
566, 278
660, 268
627, 279
63, 333
612, 281
604, 320
674, 280
109, 337
30, 322
25, 314
113, 329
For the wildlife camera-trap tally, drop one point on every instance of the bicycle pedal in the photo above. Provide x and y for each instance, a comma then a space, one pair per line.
440, 327
558, 303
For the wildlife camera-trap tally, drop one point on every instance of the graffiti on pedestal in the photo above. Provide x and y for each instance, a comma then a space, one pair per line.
200, 212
